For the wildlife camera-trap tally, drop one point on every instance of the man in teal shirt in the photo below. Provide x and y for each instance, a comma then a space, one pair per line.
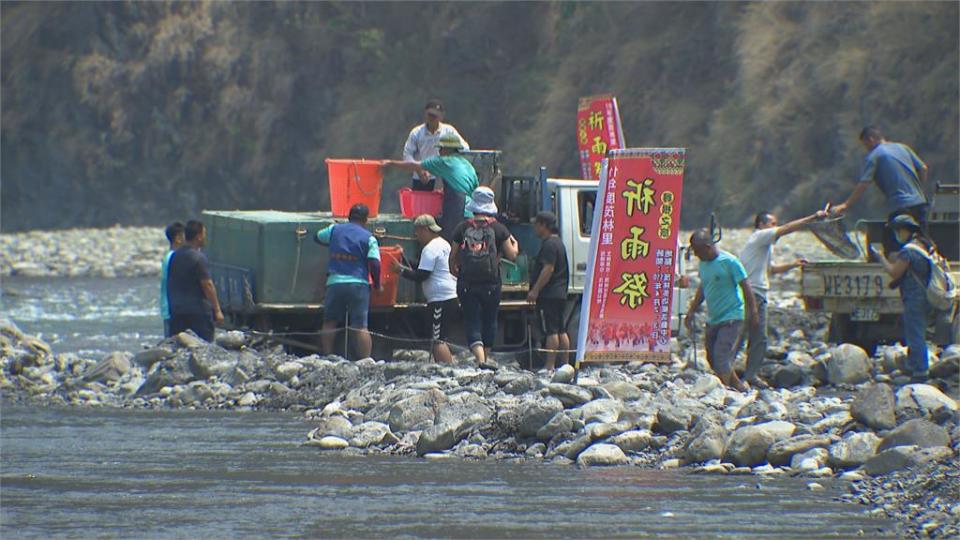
724, 285
458, 175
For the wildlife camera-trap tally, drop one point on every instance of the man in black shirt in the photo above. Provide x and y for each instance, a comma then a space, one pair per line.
550, 277
193, 298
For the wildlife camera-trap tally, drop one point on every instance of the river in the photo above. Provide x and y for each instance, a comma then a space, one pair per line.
198, 474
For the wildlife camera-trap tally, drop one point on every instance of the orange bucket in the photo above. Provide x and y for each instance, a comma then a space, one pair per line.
389, 279
354, 181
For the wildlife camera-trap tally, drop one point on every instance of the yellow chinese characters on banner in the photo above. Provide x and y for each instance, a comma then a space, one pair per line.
598, 131
629, 289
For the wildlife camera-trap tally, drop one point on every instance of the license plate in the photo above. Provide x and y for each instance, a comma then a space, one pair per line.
864, 314
862, 285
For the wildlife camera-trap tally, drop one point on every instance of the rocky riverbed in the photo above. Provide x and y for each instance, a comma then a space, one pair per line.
833, 411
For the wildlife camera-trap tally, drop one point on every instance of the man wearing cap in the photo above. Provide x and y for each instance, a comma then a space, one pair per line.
458, 175
422, 143
354, 256
899, 174
439, 285
478, 243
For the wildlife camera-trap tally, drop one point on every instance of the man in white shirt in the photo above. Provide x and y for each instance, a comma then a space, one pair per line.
757, 258
422, 143
439, 285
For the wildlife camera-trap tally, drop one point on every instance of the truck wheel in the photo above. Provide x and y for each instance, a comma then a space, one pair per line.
843, 330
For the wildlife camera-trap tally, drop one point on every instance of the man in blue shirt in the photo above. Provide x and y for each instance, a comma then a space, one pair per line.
725, 287
899, 174
174, 233
354, 263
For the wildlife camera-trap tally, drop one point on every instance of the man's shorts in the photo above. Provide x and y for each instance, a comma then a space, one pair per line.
343, 299
442, 314
550, 311
723, 342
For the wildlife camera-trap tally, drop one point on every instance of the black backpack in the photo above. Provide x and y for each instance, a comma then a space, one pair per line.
479, 261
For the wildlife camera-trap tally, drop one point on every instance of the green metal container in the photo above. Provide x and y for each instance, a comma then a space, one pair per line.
278, 249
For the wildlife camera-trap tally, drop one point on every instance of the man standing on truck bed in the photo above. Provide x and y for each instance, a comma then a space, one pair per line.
899, 174
478, 244
354, 255
459, 180
724, 285
193, 298
422, 142
757, 258
439, 285
548, 291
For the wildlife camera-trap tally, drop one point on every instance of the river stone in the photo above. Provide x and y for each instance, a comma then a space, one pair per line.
573, 448
748, 446
602, 454
811, 460
623, 390
671, 419
604, 411
336, 425
330, 442
537, 415
112, 368
146, 359
170, 373
788, 376
526, 382
705, 384
417, 412
437, 438
919, 432
190, 340
948, 366
924, 399
248, 399
854, 450
848, 364
211, 361
874, 407
233, 340
196, 393
632, 441
893, 358
564, 374
287, 370
560, 423
603, 430
570, 395
904, 457
372, 434
778, 429
706, 442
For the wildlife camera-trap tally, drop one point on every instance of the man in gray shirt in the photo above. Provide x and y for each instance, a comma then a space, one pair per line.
422, 143
757, 258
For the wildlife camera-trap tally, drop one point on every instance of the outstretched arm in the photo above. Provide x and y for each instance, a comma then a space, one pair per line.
797, 224
853, 198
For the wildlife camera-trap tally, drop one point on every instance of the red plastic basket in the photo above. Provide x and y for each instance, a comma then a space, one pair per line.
413, 203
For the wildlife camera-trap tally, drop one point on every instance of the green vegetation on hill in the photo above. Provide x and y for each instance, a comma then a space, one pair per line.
144, 112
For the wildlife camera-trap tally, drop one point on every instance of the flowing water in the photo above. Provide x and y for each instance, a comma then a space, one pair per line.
194, 474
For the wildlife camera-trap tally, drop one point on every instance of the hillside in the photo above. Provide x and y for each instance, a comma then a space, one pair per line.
144, 112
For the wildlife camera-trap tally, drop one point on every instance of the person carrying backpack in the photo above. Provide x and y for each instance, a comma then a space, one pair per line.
478, 243
924, 288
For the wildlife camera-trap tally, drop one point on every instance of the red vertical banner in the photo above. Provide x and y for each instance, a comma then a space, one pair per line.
598, 131
632, 260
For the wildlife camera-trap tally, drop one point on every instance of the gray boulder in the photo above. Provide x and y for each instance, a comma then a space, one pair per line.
778, 429
570, 395
146, 359
809, 461
904, 457
335, 426
211, 361
437, 438
560, 423
623, 390
111, 369
671, 419
632, 441
848, 364
564, 374
706, 442
417, 412
372, 434
748, 446
605, 411
781, 452
788, 376
874, 406
854, 450
233, 340
526, 382
923, 400
916, 432
602, 455
171, 372
536, 415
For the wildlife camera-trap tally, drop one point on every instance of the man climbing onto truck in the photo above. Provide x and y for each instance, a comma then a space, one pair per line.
422, 142
757, 259
899, 174
478, 244
439, 285
354, 263
458, 175
725, 287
